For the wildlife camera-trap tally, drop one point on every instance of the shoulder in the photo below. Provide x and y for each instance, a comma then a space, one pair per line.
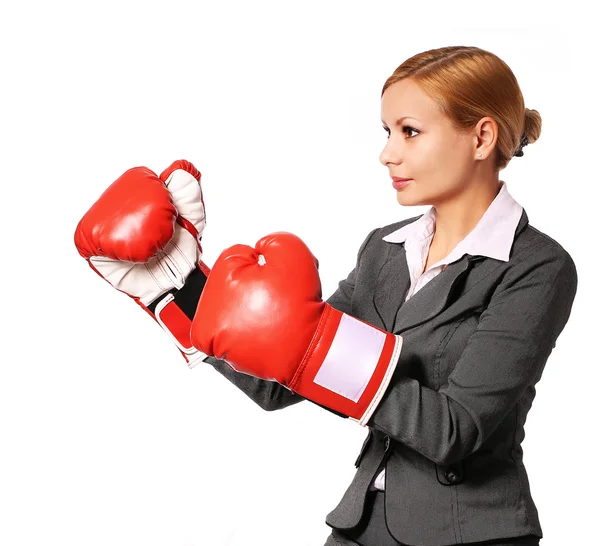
537, 256
535, 244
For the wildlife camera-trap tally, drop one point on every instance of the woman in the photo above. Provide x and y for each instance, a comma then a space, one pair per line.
471, 296
478, 298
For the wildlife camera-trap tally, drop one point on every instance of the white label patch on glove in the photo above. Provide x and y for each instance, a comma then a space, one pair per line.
352, 358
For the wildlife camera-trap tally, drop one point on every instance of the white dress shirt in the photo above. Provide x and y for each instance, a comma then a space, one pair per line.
492, 236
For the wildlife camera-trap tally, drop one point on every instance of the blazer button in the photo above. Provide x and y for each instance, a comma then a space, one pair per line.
386, 443
452, 475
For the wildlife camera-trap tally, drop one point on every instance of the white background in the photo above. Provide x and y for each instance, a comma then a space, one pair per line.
106, 437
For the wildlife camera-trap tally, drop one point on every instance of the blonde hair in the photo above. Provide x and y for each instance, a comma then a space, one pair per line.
469, 83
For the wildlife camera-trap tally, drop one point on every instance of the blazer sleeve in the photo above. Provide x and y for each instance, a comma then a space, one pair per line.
506, 353
270, 395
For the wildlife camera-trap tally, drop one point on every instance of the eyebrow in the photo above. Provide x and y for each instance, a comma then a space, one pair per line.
399, 121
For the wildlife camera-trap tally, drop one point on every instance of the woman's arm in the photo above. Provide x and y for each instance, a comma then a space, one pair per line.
269, 395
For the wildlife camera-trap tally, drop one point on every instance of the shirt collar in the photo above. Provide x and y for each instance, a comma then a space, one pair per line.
492, 236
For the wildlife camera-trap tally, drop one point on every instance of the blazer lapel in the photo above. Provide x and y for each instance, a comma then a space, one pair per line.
392, 284
394, 281
433, 297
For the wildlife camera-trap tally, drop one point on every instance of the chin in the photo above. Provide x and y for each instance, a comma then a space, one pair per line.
407, 200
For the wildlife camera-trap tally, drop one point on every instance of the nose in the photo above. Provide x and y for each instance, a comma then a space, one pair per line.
389, 155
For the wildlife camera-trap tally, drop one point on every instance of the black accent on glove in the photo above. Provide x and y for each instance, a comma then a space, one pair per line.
188, 296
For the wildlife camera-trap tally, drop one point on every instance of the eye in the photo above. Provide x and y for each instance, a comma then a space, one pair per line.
404, 129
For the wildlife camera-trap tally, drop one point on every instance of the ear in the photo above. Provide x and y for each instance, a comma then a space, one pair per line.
485, 137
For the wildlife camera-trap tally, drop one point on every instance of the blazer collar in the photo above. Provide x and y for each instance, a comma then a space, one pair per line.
394, 281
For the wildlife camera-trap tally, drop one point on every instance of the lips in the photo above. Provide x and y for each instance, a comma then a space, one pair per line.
399, 183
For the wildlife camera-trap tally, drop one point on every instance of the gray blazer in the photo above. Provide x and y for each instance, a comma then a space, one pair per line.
450, 426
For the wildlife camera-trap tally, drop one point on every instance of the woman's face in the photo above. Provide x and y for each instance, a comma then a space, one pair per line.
425, 147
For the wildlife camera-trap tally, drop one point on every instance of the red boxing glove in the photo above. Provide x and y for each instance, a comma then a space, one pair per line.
261, 311
143, 236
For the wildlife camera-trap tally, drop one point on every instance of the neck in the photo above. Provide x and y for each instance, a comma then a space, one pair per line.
457, 218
